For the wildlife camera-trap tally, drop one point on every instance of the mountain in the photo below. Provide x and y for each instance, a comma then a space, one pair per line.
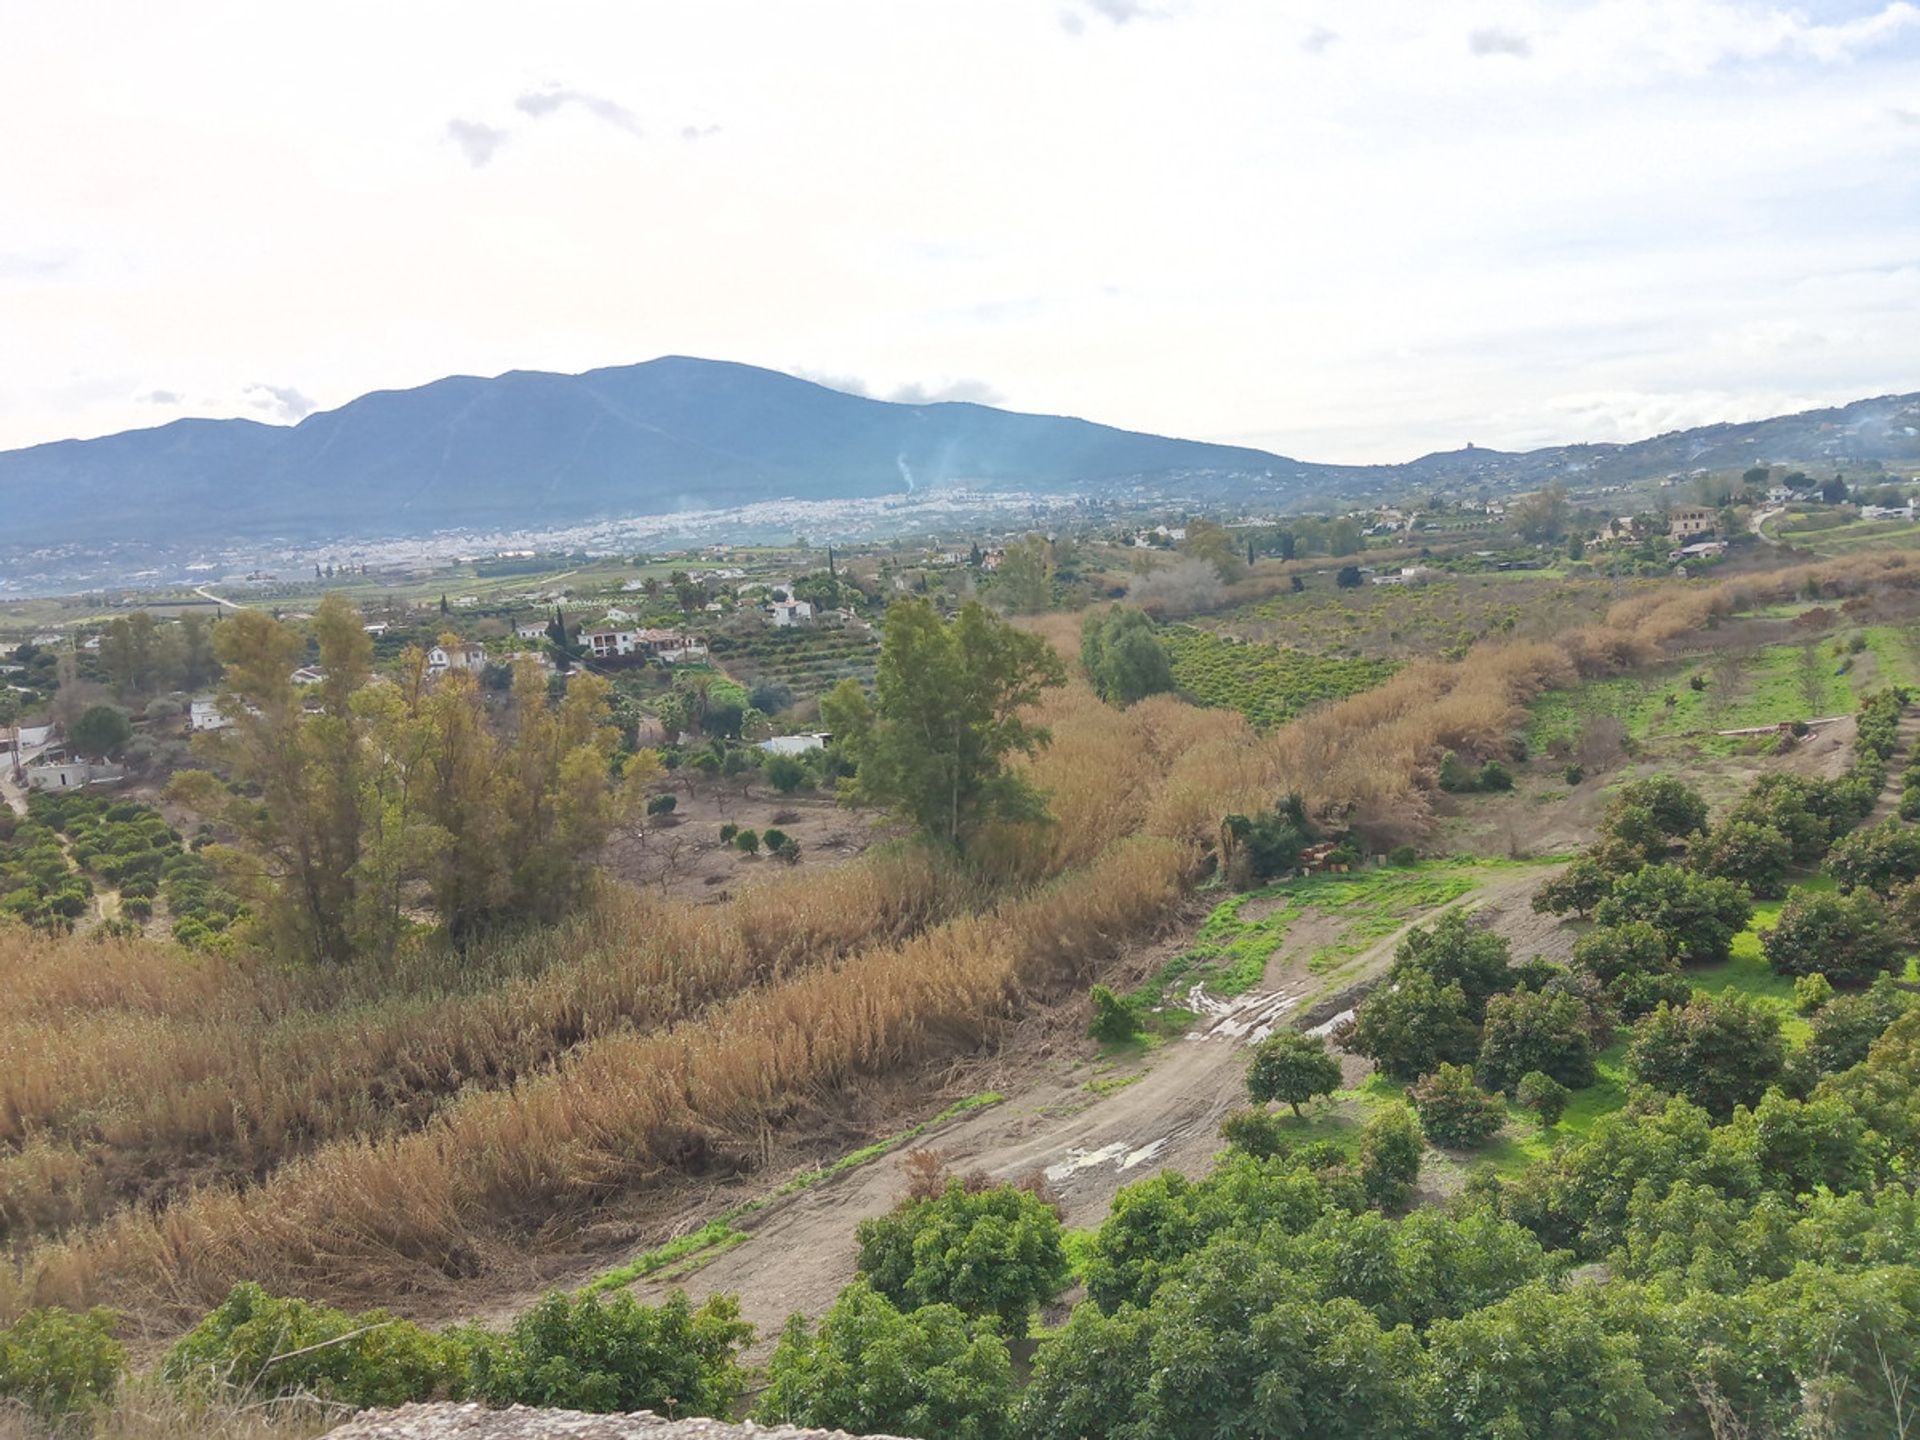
531, 450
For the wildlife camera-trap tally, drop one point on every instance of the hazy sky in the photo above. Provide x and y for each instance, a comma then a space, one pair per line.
1346, 231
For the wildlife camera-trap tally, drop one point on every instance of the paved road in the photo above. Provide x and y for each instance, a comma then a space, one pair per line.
1759, 520
204, 593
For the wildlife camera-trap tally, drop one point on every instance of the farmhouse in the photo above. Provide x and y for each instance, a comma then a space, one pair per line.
469, 656
786, 613
204, 714
607, 644
1687, 521
797, 744
72, 774
532, 629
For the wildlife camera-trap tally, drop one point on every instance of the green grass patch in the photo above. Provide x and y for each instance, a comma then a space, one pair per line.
1232, 947
1117, 1082
719, 1235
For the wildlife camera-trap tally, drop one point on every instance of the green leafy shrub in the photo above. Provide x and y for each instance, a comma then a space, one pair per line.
1390, 1151
747, 842
263, 1346
1113, 1019
872, 1367
988, 1252
1545, 1096
616, 1355
54, 1362
1453, 1110
1847, 938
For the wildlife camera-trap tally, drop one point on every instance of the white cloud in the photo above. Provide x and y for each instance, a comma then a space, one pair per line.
1500, 42
1199, 218
477, 142
280, 402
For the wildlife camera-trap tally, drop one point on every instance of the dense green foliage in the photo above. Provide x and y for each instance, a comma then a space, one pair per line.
1267, 684
1123, 658
1453, 1109
1847, 938
53, 1362
871, 1367
985, 1252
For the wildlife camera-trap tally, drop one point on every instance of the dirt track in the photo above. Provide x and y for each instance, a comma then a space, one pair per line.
802, 1249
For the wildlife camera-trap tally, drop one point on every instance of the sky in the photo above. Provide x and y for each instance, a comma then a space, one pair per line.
1342, 232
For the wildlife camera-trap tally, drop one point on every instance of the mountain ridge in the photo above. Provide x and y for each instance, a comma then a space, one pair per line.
531, 448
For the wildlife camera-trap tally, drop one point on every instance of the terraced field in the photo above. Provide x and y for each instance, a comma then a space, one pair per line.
806, 662
1266, 683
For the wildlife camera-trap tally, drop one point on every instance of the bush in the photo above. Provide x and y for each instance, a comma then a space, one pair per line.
1390, 1150
1453, 1110
785, 773
1574, 774
1257, 1131
1493, 776
727, 832
1756, 855
659, 805
1715, 1053
1578, 888
992, 1252
1527, 1032
1544, 1096
1697, 915
872, 1367
1847, 938
55, 1362
747, 842
1293, 1066
1810, 993
1113, 1019
1403, 856
268, 1346
1879, 858
617, 1355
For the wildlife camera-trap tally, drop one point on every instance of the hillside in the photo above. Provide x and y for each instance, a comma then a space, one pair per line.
532, 450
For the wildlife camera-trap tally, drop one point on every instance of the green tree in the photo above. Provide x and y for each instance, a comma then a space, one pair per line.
1411, 1026
873, 1367
1542, 516
1713, 1052
1293, 1066
1879, 857
1023, 584
986, 1252
1544, 1095
1847, 938
1677, 808
1698, 915
100, 731
947, 712
1542, 1362
1214, 544
1578, 888
1390, 1150
1530, 1031
1123, 657
1455, 1111
1745, 851
617, 1355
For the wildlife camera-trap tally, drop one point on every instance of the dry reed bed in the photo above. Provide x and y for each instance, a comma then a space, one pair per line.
234, 1066
499, 1170
133, 1070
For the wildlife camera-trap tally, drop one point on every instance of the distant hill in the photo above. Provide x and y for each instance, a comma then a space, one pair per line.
531, 450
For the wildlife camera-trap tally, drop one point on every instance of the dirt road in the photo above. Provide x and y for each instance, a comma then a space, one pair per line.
802, 1249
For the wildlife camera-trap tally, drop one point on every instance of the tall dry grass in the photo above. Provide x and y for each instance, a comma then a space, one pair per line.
502, 1169
132, 1068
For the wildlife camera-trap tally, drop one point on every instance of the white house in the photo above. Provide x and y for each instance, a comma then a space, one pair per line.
32, 737
441, 659
204, 714
309, 675
376, 628
532, 630
787, 613
797, 744
72, 774
617, 615
606, 644
1409, 575
669, 647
